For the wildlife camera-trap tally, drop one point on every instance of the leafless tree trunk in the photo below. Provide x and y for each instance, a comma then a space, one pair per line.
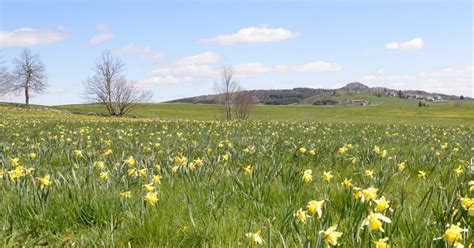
225, 89
243, 104
109, 87
29, 74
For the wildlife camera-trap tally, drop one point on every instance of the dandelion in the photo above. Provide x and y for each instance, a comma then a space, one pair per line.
307, 176
44, 181
255, 238
327, 176
374, 221
330, 235
301, 215
151, 198
126, 194
421, 174
381, 243
453, 235
315, 207
347, 183
381, 204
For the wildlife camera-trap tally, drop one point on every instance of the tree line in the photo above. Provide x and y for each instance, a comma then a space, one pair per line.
109, 86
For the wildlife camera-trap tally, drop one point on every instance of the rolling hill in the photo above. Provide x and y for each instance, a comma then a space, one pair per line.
354, 93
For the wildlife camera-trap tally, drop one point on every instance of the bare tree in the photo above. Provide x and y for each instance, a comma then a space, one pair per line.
243, 104
29, 74
109, 87
225, 89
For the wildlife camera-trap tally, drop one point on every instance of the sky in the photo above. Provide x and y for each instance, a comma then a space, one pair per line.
178, 48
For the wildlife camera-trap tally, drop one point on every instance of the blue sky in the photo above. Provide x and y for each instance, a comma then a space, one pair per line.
176, 48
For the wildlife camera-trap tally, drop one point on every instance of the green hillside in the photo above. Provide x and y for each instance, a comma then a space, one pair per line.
383, 110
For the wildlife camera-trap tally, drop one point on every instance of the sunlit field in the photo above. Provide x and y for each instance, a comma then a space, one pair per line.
76, 180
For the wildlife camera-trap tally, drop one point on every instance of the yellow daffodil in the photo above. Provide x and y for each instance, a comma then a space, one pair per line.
381, 243
126, 194
130, 161
225, 157
401, 166
453, 235
347, 183
108, 152
307, 176
14, 162
374, 221
381, 204
315, 207
327, 176
302, 150
33, 155
78, 153
421, 174
44, 181
369, 173
312, 152
104, 176
468, 204
156, 179
151, 198
255, 238
99, 164
247, 170
458, 170
149, 187
301, 216
330, 235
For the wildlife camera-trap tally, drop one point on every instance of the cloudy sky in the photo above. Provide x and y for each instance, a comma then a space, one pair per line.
176, 48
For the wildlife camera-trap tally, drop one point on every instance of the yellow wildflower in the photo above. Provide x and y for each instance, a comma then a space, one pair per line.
421, 174
301, 215
307, 176
330, 235
104, 176
374, 221
247, 170
44, 181
151, 198
130, 161
327, 176
255, 238
347, 183
381, 204
381, 243
126, 194
315, 207
453, 235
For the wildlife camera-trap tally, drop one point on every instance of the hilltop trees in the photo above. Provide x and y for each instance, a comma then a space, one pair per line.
109, 86
29, 75
232, 96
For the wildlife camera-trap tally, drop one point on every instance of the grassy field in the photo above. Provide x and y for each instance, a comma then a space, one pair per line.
385, 110
84, 181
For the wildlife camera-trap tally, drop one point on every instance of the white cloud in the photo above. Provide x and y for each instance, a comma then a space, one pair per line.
143, 52
251, 69
317, 66
159, 80
26, 37
254, 34
413, 44
452, 80
207, 57
103, 35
